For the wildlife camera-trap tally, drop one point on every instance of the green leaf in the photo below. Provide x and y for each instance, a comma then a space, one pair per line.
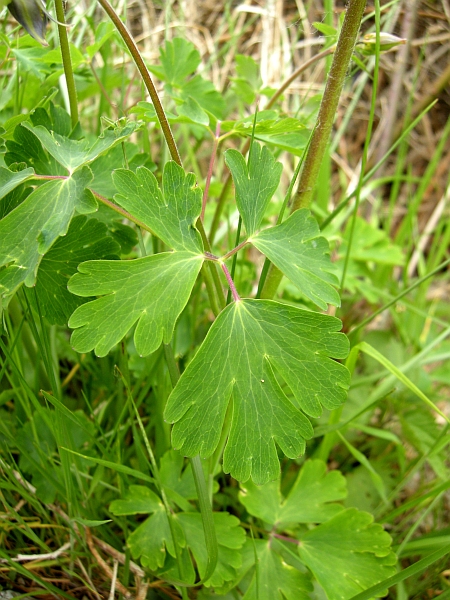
150, 291
138, 500
72, 154
191, 109
9, 180
178, 484
29, 231
255, 184
274, 579
26, 148
348, 554
171, 214
85, 239
311, 499
179, 59
230, 538
204, 92
299, 251
151, 539
370, 244
247, 342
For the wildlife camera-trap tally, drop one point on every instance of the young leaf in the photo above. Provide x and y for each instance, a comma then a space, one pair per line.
85, 239
9, 180
311, 499
151, 291
72, 154
171, 214
298, 250
230, 538
247, 341
348, 554
29, 231
255, 184
179, 59
275, 579
151, 539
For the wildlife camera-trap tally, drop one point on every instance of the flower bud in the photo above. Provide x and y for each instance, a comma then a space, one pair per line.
368, 44
31, 14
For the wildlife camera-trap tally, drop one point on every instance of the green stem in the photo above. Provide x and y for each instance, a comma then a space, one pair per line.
67, 61
325, 120
145, 74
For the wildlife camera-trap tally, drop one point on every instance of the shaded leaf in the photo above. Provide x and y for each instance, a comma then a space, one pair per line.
255, 184
275, 579
29, 231
150, 540
85, 239
348, 554
248, 340
299, 251
9, 180
230, 538
150, 291
311, 499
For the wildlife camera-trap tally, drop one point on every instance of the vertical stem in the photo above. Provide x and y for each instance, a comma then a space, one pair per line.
67, 62
210, 168
325, 119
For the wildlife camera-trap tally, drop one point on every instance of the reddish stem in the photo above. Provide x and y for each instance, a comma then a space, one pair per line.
210, 168
236, 296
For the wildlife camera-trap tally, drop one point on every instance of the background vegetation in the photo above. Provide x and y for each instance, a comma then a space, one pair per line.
63, 510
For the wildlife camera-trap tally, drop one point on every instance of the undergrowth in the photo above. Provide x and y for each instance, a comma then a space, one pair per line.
224, 351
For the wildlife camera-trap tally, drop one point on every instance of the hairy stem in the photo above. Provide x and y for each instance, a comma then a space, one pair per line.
325, 119
67, 61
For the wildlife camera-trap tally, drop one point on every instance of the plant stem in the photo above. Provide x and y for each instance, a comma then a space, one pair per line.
236, 296
145, 74
324, 125
210, 168
67, 62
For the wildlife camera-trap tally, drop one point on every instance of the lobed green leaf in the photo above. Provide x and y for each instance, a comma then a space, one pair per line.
247, 342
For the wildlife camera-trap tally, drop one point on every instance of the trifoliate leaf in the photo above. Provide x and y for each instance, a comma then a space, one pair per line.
85, 239
299, 251
348, 554
9, 180
171, 214
29, 231
275, 579
151, 539
311, 499
71, 154
230, 538
255, 184
247, 342
150, 291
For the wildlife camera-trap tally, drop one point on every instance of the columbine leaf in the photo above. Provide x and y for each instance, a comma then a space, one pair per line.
171, 214
311, 499
298, 250
150, 540
9, 180
248, 340
370, 244
179, 59
348, 554
26, 148
29, 231
275, 579
72, 154
150, 291
85, 239
230, 538
255, 184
